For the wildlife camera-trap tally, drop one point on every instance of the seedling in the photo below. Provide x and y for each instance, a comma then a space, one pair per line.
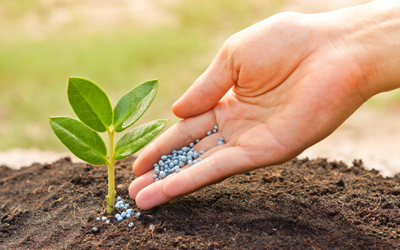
93, 107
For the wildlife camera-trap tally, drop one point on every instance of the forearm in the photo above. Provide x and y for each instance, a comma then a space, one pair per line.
372, 34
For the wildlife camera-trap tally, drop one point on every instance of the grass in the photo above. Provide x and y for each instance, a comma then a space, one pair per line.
34, 66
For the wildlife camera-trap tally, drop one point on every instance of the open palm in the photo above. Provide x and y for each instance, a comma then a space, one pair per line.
274, 89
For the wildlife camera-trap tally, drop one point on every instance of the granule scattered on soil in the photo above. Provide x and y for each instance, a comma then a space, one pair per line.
302, 204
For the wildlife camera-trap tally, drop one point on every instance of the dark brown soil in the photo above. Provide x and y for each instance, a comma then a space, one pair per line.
302, 204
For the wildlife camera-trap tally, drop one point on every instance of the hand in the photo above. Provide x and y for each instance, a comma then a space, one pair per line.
274, 89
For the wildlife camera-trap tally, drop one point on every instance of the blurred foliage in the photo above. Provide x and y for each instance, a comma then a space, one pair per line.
38, 52
117, 44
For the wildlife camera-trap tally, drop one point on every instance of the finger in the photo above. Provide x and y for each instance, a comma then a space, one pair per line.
209, 88
140, 183
148, 193
167, 189
208, 144
213, 168
145, 180
151, 189
152, 194
176, 137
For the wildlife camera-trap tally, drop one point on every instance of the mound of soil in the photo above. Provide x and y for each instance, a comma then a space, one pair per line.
301, 204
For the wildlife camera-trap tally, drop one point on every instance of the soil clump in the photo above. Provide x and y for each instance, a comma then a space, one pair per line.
302, 204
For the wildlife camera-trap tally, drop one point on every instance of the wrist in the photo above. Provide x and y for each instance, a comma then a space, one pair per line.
371, 34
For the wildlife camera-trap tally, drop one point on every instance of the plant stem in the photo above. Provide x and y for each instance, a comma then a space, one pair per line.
110, 164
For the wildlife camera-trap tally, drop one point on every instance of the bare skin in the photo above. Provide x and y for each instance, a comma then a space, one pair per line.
275, 89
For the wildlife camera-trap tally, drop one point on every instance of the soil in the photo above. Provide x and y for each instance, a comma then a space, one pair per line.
302, 204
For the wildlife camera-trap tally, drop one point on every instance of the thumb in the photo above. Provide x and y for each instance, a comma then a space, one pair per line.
209, 88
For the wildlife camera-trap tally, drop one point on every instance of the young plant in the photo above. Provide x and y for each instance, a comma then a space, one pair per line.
93, 107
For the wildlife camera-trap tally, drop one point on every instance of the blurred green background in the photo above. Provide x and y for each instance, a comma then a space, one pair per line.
117, 44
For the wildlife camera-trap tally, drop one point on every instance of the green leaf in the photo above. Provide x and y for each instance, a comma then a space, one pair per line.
133, 104
90, 103
80, 140
137, 138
